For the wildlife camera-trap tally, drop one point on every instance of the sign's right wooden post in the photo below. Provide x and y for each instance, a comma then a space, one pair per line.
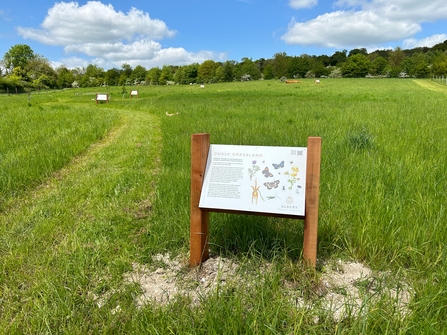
312, 200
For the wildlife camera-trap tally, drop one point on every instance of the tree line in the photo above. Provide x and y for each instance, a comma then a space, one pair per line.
24, 70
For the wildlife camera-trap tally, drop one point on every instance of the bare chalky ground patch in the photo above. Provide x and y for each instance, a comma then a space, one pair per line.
346, 289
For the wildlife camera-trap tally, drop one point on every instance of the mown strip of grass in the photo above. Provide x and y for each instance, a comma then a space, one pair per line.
36, 140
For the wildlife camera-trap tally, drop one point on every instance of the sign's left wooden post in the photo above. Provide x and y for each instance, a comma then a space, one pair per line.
199, 220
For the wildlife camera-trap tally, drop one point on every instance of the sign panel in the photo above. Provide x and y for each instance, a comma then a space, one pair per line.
261, 179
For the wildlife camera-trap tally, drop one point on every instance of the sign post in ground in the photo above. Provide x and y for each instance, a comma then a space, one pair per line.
254, 180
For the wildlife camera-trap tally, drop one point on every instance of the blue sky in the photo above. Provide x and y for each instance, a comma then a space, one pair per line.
179, 32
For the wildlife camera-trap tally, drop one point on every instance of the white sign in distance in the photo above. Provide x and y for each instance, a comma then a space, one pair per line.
261, 179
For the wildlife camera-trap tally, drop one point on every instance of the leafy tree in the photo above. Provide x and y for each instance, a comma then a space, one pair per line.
440, 46
247, 67
324, 59
362, 51
335, 72
78, 73
64, 77
207, 71
127, 69
44, 82
261, 63
378, 66
393, 71
219, 74
396, 57
356, 66
299, 66
40, 72
434, 56
421, 70
191, 73
319, 69
179, 75
229, 67
18, 55
112, 77
416, 65
439, 68
166, 75
281, 64
18, 74
339, 57
153, 76
268, 72
93, 76
138, 74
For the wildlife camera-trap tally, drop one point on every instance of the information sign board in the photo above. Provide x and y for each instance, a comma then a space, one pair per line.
263, 179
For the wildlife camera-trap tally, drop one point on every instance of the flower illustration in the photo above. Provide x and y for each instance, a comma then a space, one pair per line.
252, 171
292, 176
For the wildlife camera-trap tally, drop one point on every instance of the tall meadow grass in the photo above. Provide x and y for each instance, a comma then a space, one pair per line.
37, 139
92, 189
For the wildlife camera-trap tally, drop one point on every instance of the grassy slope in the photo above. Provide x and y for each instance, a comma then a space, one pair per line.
382, 202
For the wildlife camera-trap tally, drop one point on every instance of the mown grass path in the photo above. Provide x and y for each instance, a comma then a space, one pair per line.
76, 233
431, 85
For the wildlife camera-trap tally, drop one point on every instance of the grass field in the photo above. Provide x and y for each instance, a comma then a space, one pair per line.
88, 190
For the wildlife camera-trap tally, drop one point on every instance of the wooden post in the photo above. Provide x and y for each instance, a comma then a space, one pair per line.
312, 199
199, 220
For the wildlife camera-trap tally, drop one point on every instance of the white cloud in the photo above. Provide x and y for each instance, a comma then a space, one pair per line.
71, 63
342, 28
430, 41
364, 23
298, 4
112, 37
69, 23
409, 10
117, 50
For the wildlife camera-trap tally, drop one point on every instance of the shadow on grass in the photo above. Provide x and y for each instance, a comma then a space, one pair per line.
265, 237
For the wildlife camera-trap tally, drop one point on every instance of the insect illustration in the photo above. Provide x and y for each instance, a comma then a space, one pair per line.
255, 193
273, 184
273, 197
283, 188
266, 172
277, 166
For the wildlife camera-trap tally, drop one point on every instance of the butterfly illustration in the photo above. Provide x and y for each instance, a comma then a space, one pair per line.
277, 166
266, 172
273, 184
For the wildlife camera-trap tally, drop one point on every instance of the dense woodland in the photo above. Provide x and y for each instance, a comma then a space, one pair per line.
23, 70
